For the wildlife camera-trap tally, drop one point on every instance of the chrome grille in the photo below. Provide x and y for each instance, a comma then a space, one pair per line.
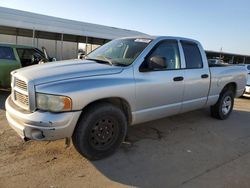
24, 99
21, 84
20, 94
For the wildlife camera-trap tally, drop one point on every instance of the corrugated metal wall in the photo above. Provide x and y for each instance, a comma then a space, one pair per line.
68, 50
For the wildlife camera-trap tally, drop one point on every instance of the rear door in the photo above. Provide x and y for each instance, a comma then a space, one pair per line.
197, 77
8, 62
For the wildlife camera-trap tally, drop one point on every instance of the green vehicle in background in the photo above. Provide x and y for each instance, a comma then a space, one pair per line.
17, 56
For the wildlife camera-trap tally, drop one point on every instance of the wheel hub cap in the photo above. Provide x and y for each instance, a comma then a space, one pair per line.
226, 105
103, 133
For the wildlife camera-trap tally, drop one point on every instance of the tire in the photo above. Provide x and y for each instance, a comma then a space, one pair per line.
100, 131
223, 108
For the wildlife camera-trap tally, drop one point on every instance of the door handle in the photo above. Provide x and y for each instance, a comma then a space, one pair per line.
179, 78
204, 76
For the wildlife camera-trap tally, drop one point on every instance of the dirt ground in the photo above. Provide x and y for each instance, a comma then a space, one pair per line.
189, 150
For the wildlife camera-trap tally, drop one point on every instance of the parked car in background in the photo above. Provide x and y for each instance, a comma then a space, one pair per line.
81, 54
247, 67
124, 82
17, 56
247, 89
214, 62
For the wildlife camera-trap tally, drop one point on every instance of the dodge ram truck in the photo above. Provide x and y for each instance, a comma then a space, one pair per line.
124, 82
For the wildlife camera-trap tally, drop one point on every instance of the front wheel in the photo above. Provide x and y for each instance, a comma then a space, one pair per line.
223, 108
100, 131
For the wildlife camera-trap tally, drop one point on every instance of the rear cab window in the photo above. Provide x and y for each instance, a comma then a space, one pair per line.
7, 53
192, 55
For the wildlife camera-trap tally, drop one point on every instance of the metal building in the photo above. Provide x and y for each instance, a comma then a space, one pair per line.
229, 57
59, 36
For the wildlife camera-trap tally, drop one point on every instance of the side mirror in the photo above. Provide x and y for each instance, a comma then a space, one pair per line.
154, 63
157, 63
82, 56
53, 59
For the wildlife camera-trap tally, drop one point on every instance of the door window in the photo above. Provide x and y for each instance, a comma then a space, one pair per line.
192, 55
7, 53
169, 51
28, 56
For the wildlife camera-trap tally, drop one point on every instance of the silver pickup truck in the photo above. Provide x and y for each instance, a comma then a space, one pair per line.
124, 82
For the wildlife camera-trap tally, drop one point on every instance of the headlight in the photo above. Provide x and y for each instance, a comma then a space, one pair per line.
53, 103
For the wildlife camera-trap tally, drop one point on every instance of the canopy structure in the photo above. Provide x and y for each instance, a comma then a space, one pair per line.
21, 23
231, 58
60, 36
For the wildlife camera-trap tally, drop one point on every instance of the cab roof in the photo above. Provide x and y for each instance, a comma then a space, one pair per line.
152, 37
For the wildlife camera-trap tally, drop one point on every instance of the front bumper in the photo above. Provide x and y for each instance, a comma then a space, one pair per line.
41, 125
247, 91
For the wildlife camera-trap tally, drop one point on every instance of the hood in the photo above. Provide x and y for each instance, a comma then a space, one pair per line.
61, 70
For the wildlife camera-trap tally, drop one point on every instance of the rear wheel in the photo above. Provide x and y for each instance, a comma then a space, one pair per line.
100, 131
223, 108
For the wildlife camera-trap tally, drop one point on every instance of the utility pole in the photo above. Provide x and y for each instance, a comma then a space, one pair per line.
220, 53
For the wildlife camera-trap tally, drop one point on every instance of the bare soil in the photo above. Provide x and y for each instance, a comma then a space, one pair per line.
188, 150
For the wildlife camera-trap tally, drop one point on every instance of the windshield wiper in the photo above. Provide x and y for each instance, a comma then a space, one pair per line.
106, 59
102, 60
99, 61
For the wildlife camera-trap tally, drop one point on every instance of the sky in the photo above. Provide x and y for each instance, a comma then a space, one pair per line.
215, 23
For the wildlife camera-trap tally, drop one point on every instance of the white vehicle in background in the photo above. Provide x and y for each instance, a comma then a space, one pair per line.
81, 54
214, 62
247, 67
247, 89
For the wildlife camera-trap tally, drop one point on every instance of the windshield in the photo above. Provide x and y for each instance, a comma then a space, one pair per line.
119, 52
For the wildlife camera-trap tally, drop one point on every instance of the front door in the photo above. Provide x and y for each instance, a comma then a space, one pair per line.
159, 92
